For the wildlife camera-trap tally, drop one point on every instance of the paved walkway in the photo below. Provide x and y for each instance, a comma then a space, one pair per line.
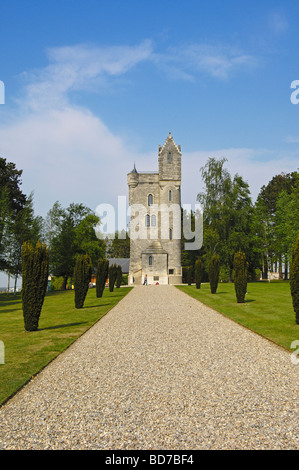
160, 371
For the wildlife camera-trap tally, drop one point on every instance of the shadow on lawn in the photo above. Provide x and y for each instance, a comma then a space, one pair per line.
62, 326
96, 306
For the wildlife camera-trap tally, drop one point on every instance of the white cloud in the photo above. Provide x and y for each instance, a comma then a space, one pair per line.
220, 62
256, 166
79, 67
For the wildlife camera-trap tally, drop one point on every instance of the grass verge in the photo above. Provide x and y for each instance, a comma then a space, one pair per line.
26, 353
267, 310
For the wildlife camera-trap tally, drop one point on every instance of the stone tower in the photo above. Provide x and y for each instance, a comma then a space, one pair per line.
155, 222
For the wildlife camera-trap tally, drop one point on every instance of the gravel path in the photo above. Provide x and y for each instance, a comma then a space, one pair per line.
160, 371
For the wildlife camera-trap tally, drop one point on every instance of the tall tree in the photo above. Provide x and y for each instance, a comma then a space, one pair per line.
71, 232
227, 212
12, 200
25, 227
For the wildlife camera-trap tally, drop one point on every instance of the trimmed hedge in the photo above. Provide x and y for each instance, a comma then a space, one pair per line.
119, 276
240, 277
198, 272
101, 276
112, 276
294, 279
35, 271
214, 269
82, 277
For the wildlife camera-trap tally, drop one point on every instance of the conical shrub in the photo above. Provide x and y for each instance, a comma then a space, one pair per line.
119, 276
112, 276
198, 272
294, 279
35, 271
82, 277
101, 276
213, 270
240, 277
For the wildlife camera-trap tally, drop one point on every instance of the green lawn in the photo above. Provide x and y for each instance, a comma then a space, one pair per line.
267, 309
26, 353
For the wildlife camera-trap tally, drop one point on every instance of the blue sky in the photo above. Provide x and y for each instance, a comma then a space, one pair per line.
92, 87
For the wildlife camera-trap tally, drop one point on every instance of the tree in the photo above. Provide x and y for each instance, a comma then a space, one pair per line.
214, 269
24, 227
71, 233
12, 200
273, 233
119, 247
227, 212
112, 276
82, 276
35, 268
294, 278
198, 272
240, 278
101, 276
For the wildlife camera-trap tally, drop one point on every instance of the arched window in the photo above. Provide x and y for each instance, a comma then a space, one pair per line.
169, 157
150, 200
150, 260
153, 221
170, 234
170, 195
147, 220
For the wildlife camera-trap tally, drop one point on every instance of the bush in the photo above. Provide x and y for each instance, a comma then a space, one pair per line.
112, 276
214, 269
57, 283
224, 274
240, 277
35, 271
294, 279
82, 277
101, 276
119, 276
198, 272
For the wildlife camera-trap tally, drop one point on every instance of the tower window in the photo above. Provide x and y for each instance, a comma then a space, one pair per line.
150, 260
169, 157
150, 200
147, 220
170, 195
153, 220
170, 234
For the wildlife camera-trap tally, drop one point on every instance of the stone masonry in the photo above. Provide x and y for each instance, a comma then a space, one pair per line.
155, 222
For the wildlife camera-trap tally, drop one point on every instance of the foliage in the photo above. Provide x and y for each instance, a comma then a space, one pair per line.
240, 276
23, 227
12, 201
56, 283
112, 276
294, 278
119, 247
82, 276
227, 211
214, 269
71, 232
35, 269
101, 276
198, 272
118, 276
